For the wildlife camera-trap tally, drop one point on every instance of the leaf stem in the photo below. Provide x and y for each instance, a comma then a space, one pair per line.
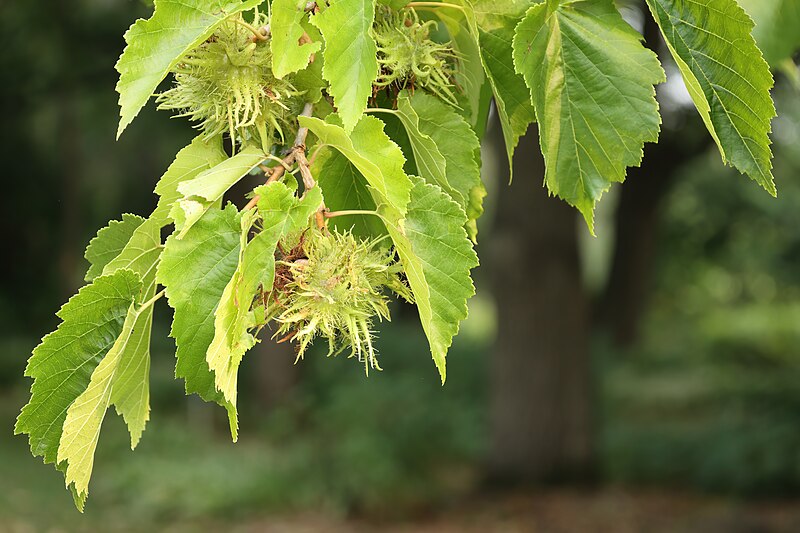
345, 212
435, 4
380, 110
260, 36
151, 301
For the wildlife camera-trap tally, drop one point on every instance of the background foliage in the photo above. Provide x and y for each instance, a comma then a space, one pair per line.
706, 400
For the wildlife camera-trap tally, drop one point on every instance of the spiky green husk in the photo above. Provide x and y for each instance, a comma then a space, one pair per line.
226, 85
334, 287
409, 58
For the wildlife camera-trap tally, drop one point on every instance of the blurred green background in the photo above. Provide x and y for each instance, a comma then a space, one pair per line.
672, 405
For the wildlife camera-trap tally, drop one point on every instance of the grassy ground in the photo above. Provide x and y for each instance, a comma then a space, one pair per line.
397, 452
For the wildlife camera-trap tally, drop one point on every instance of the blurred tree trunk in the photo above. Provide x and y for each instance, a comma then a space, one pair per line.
541, 420
641, 197
69, 134
625, 298
275, 373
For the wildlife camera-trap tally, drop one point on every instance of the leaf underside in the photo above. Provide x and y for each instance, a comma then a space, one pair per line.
726, 76
437, 257
194, 271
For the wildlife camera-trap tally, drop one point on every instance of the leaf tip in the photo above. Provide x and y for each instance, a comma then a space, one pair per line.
233, 421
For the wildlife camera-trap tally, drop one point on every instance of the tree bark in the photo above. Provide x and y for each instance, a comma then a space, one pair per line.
275, 373
642, 197
541, 420
625, 299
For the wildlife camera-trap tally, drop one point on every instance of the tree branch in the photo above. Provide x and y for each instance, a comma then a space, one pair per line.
299, 149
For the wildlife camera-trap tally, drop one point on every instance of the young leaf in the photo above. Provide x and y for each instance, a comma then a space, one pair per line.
591, 81
351, 63
62, 364
109, 242
288, 55
494, 24
232, 318
192, 160
437, 256
282, 214
154, 46
454, 142
207, 189
371, 151
141, 255
112, 382
345, 188
726, 77
195, 271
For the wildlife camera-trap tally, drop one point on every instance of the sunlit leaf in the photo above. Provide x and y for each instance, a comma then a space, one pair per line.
726, 77
351, 63
288, 55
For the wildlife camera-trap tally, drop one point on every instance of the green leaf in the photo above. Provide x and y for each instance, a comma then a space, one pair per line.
345, 188
109, 242
208, 188
394, 4
195, 270
287, 54
431, 164
141, 255
154, 46
351, 63
309, 81
777, 27
63, 363
726, 77
371, 151
282, 214
470, 75
191, 161
437, 257
591, 81
446, 150
494, 24
232, 318
112, 382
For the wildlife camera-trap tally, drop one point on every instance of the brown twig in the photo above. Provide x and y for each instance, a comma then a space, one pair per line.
299, 148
